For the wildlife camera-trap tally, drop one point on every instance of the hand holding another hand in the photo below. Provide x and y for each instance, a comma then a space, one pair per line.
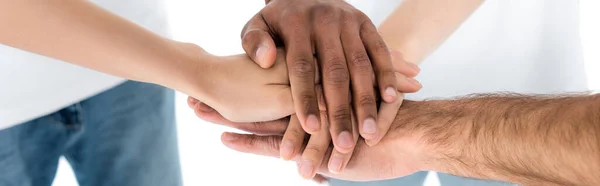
294, 135
399, 153
351, 57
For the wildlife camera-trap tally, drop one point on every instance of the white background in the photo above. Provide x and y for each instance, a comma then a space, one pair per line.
215, 26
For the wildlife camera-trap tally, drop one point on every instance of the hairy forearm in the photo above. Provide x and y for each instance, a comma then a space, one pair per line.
84, 34
530, 140
417, 27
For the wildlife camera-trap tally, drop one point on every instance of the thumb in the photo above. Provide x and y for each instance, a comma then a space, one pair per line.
258, 43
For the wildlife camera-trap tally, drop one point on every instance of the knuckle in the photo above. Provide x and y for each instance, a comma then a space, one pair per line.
342, 113
361, 16
303, 67
360, 62
386, 74
347, 16
293, 20
381, 48
313, 150
250, 23
250, 36
337, 74
366, 100
324, 13
250, 142
256, 127
273, 143
292, 15
295, 134
306, 100
368, 29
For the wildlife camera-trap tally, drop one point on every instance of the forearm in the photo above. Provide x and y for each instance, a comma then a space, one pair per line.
417, 27
84, 34
529, 140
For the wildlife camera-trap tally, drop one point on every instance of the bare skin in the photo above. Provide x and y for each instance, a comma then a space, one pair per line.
524, 139
412, 31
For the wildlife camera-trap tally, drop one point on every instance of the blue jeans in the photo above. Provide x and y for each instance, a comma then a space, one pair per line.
125, 136
418, 178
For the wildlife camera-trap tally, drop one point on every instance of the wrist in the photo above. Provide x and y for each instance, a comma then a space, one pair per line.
436, 132
189, 71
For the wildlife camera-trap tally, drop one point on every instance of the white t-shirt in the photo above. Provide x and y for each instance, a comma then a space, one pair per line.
34, 85
519, 46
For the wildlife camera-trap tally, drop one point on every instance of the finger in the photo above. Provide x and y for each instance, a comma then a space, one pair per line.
260, 145
202, 107
317, 146
336, 82
301, 68
276, 127
339, 160
254, 144
408, 85
360, 74
292, 139
191, 102
400, 65
387, 114
381, 60
258, 43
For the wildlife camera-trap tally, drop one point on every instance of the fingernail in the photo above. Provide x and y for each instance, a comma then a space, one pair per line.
261, 53
335, 164
414, 81
369, 126
306, 169
390, 94
287, 149
231, 137
345, 139
415, 67
313, 123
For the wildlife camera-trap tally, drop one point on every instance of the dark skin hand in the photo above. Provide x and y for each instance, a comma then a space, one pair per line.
294, 137
315, 151
348, 51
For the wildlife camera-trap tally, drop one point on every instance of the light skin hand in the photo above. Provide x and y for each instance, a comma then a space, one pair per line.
348, 50
243, 92
528, 140
84, 34
359, 168
367, 163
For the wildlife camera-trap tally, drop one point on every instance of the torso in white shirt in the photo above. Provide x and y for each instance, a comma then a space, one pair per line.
32, 85
519, 46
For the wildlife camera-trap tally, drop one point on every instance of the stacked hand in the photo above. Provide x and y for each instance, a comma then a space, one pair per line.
254, 88
352, 60
400, 153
